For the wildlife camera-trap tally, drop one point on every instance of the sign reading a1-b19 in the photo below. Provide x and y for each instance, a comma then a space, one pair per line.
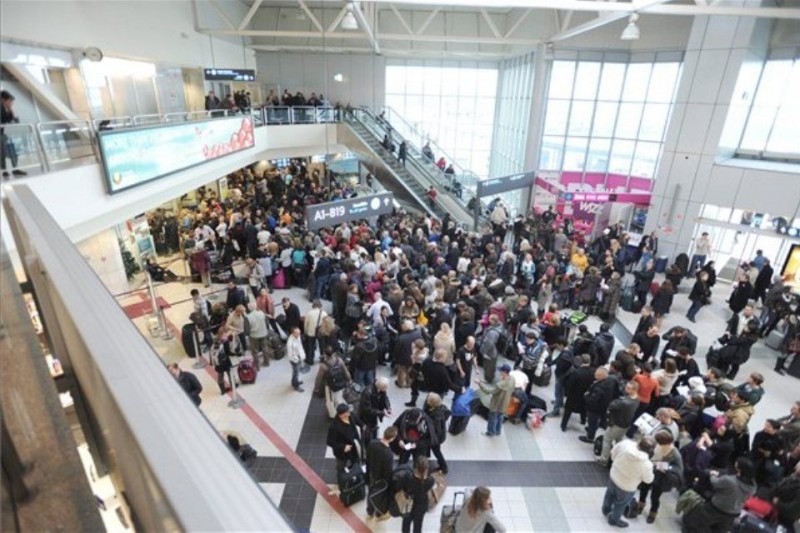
331, 214
504, 184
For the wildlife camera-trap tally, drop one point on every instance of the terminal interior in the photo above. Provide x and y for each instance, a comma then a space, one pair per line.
154, 149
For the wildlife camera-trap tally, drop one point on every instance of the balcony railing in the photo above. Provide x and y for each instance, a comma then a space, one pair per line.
46, 146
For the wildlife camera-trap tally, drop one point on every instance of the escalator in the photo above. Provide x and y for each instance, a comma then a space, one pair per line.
411, 182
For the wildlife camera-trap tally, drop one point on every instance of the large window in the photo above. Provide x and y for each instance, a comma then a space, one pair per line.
453, 103
608, 117
513, 115
773, 126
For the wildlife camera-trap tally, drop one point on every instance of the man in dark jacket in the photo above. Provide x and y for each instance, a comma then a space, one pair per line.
403, 348
599, 396
676, 338
763, 281
234, 297
188, 382
343, 438
602, 346
575, 386
373, 405
292, 314
380, 467
365, 356
561, 357
416, 435
620, 417
648, 344
339, 295
436, 378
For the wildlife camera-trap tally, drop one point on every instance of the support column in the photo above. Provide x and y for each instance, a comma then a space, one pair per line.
533, 146
702, 121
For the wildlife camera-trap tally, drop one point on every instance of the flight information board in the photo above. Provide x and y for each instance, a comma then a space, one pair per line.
513, 182
331, 214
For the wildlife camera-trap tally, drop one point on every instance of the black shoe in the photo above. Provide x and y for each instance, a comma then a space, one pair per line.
5, 174
587, 440
411, 404
19, 173
781, 371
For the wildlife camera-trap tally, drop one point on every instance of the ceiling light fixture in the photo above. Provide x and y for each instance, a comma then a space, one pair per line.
349, 21
631, 31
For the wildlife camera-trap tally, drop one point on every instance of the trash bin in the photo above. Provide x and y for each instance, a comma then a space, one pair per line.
661, 264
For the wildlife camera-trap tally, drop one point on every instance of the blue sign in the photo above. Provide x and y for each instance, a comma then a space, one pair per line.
133, 157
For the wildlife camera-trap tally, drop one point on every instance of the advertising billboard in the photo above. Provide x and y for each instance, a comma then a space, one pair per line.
133, 157
791, 268
331, 214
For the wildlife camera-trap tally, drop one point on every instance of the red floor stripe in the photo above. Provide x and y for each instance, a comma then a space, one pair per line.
291, 456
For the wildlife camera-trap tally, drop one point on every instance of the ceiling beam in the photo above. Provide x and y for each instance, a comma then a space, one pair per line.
222, 14
490, 22
428, 20
366, 28
337, 20
627, 7
401, 19
246, 20
601, 21
381, 37
310, 15
518, 23
566, 20
396, 52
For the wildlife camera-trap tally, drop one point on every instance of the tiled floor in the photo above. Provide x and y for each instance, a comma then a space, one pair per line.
542, 480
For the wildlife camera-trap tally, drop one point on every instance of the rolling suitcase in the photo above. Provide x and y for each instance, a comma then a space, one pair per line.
458, 424
189, 340
750, 523
352, 486
775, 339
247, 372
450, 514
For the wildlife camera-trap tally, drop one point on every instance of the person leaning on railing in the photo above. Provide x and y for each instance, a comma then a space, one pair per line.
7, 148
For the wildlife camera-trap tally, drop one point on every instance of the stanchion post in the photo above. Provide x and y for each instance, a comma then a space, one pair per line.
162, 320
199, 360
237, 400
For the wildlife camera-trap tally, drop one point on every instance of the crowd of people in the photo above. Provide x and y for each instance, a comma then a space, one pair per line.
484, 317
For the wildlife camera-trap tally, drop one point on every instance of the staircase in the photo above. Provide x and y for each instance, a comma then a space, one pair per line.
416, 177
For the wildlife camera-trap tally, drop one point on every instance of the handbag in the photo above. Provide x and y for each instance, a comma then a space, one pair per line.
403, 502
438, 490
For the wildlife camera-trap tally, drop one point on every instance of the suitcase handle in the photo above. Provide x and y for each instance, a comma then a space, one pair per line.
455, 498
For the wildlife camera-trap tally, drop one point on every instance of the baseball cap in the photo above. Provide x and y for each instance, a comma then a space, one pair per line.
505, 368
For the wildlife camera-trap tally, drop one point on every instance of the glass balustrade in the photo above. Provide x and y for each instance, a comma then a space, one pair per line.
21, 150
66, 141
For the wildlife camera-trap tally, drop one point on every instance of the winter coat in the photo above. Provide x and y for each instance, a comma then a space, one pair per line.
600, 395
644, 279
439, 416
589, 286
662, 301
741, 294
575, 386
700, 293
404, 345
611, 296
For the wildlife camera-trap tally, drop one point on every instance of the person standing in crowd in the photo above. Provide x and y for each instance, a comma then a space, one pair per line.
488, 348
311, 326
667, 474
257, 321
702, 249
601, 393
344, 438
438, 413
291, 314
296, 354
631, 467
729, 493
374, 405
576, 384
620, 417
380, 467
700, 296
221, 361
501, 396
212, 101
188, 382
418, 487
477, 514
7, 147
644, 278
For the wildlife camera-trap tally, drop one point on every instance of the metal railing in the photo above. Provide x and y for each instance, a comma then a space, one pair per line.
40, 148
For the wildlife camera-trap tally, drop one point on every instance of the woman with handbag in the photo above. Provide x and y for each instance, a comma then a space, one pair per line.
477, 514
418, 487
668, 470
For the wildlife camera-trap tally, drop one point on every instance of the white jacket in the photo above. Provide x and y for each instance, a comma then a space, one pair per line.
630, 466
294, 349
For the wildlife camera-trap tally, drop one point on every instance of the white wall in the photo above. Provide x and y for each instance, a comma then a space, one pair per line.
160, 30
103, 254
364, 75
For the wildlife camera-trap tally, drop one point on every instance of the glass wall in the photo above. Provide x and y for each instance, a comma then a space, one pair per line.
773, 125
452, 102
513, 114
609, 115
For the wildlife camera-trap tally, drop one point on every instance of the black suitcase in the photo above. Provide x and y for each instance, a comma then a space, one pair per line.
458, 424
750, 523
627, 300
352, 486
189, 340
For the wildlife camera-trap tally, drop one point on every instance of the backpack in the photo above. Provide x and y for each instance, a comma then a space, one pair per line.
530, 358
336, 378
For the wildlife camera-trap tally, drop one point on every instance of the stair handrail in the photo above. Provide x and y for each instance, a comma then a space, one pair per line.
375, 129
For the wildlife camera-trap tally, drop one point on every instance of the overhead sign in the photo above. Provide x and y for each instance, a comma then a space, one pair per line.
229, 74
334, 213
133, 157
504, 184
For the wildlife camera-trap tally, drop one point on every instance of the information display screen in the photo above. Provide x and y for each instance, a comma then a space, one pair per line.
334, 213
133, 157
229, 74
494, 186
791, 268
